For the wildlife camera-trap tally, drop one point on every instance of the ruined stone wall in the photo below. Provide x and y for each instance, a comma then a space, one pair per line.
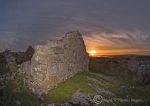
55, 62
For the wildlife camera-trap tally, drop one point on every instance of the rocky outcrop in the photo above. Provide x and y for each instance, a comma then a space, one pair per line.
10, 62
80, 99
55, 62
19, 57
138, 67
24, 56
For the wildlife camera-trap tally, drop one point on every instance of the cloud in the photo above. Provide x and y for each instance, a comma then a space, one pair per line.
7, 40
124, 24
123, 42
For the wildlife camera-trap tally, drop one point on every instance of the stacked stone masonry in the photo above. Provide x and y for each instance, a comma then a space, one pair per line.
55, 62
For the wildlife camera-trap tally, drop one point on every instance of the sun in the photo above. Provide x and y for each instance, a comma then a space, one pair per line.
92, 52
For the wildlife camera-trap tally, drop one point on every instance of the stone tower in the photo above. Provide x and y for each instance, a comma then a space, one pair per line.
55, 62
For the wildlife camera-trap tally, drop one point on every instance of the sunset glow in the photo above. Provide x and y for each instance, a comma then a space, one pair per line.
114, 44
92, 52
103, 52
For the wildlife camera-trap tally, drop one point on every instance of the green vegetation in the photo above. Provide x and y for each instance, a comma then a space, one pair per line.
66, 89
3, 69
16, 91
120, 87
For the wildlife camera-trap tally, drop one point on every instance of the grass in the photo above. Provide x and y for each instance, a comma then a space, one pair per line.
66, 89
120, 87
16, 90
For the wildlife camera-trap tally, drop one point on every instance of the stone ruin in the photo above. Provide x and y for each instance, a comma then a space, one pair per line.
55, 62
10, 63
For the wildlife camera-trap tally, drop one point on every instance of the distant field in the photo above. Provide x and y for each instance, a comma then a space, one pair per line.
108, 66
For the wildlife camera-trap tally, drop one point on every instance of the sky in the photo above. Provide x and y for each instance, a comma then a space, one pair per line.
108, 26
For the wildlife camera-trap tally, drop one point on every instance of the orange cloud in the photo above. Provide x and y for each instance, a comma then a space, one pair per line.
115, 44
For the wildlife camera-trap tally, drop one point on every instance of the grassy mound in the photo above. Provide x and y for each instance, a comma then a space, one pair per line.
119, 87
66, 89
16, 90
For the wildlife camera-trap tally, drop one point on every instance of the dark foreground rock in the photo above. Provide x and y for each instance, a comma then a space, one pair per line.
80, 99
10, 62
18, 57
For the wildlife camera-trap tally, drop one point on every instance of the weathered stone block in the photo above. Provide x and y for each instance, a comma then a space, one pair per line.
56, 61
